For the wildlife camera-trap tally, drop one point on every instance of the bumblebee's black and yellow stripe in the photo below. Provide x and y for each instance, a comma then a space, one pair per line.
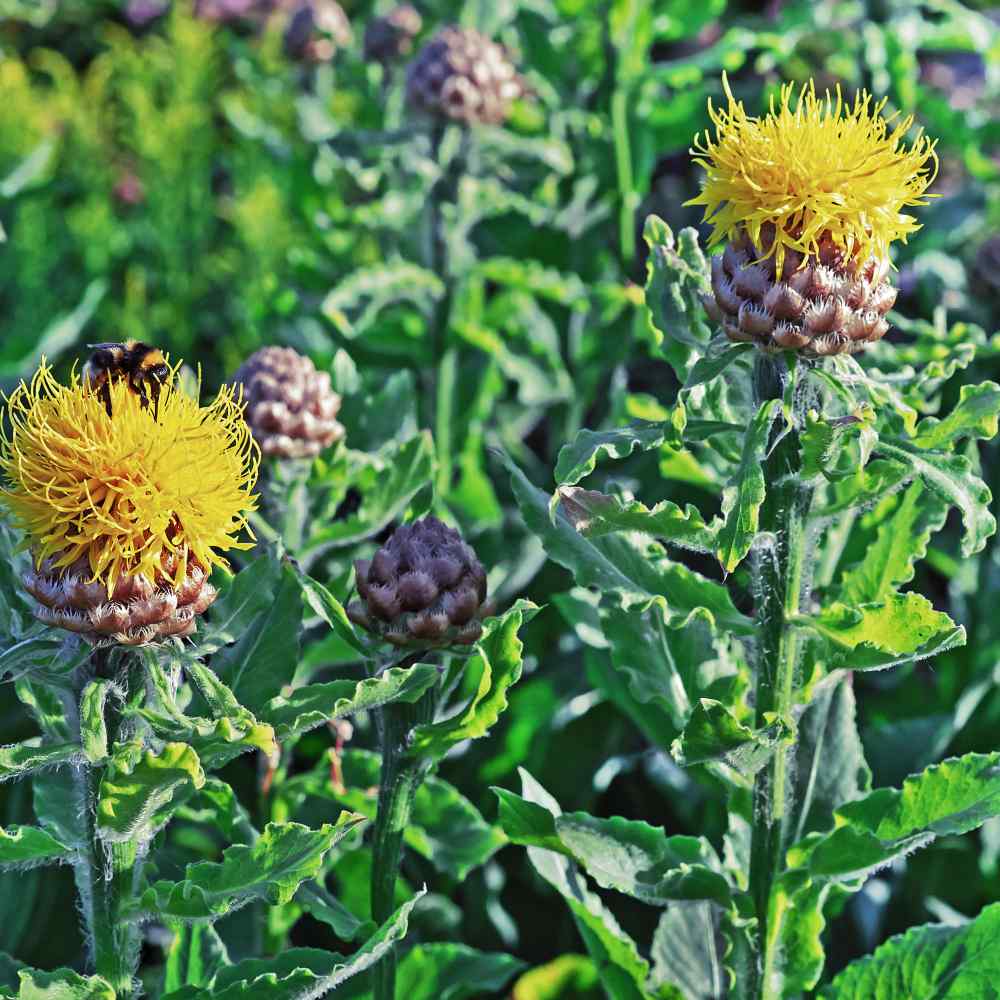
142, 367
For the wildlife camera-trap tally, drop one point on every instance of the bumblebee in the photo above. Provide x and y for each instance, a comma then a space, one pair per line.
143, 368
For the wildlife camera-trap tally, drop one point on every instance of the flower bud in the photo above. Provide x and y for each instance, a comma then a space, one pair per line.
423, 588
390, 37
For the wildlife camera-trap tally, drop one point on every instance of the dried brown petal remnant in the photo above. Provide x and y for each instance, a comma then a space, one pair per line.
391, 36
137, 612
823, 304
465, 76
290, 406
423, 588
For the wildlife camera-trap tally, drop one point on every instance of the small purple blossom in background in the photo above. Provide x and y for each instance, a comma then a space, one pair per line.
139, 13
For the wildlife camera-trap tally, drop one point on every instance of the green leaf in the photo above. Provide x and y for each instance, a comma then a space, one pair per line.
93, 728
299, 973
27, 846
975, 415
744, 494
687, 951
713, 365
713, 733
951, 477
527, 823
531, 276
830, 767
140, 789
194, 957
900, 542
623, 971
272, 869
594, 514
952, 797
901, 629
943, 962
320, 600
579, 458
353, 306
315, 704
313, 898
497, 660
20, 759
62, 985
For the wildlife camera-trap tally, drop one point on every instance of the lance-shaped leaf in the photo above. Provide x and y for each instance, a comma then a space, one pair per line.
687, 951
20, 759
713, 733
497, 661
626, 855
194, 957
319, 599
300, 973
93, 728
312, 705
940, 961
140, 789
579, 458
974, 415
744, 494
444, 826
283, 857
594, 514
622, 969
900, 542
63, 984
951, 477
952, 797
712, 365
27, 846
901, 629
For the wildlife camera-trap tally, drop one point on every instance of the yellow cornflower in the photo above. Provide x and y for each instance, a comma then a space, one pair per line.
813, 167
131, 494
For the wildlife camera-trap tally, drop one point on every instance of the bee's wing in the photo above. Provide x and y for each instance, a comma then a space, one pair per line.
110, 343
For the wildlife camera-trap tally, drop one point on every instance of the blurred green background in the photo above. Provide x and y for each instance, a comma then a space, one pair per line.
182, 179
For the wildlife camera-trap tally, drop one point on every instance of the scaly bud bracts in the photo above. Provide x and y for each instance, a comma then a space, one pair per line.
290, 406
316, 29
464, 76
827, 303
390, 37
424, 587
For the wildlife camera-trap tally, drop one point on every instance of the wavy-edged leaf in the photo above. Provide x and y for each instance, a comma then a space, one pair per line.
900, 629
497, 660
687, 951
63, 984
27, 846
952, 797
20, 759
93, 728
283, 857
939, 961
579, 458
714, 364
140, 789
531, 276
194, 957
743, 495
975, 415
713, 733
313, 705
594, 514
320, 600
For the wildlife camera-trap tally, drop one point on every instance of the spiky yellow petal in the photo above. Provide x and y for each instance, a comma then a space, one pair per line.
812, 166
131, 493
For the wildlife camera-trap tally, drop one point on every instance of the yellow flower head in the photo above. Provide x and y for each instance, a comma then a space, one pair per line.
812, 166
128, 493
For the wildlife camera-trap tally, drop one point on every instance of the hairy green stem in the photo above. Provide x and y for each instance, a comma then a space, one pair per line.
400, 778
783, 582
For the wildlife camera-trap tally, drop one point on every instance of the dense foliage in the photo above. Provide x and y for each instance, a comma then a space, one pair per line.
510, 313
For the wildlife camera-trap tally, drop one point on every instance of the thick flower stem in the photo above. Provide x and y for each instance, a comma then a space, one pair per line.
401, 776
783, 580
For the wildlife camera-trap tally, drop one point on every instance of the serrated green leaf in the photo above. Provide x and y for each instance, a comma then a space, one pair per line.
497, 660
687, 951
975, 415
194, 957
93, 728
21, 759
140, 789
952, 797
951, 477
594, 514
713, 733
62, 984
744, 494
271, 869
579, 458
30, 845
315, 704
900, 629
943, 962
330, 610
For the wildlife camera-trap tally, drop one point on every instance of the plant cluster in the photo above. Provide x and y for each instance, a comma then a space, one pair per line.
548, 599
